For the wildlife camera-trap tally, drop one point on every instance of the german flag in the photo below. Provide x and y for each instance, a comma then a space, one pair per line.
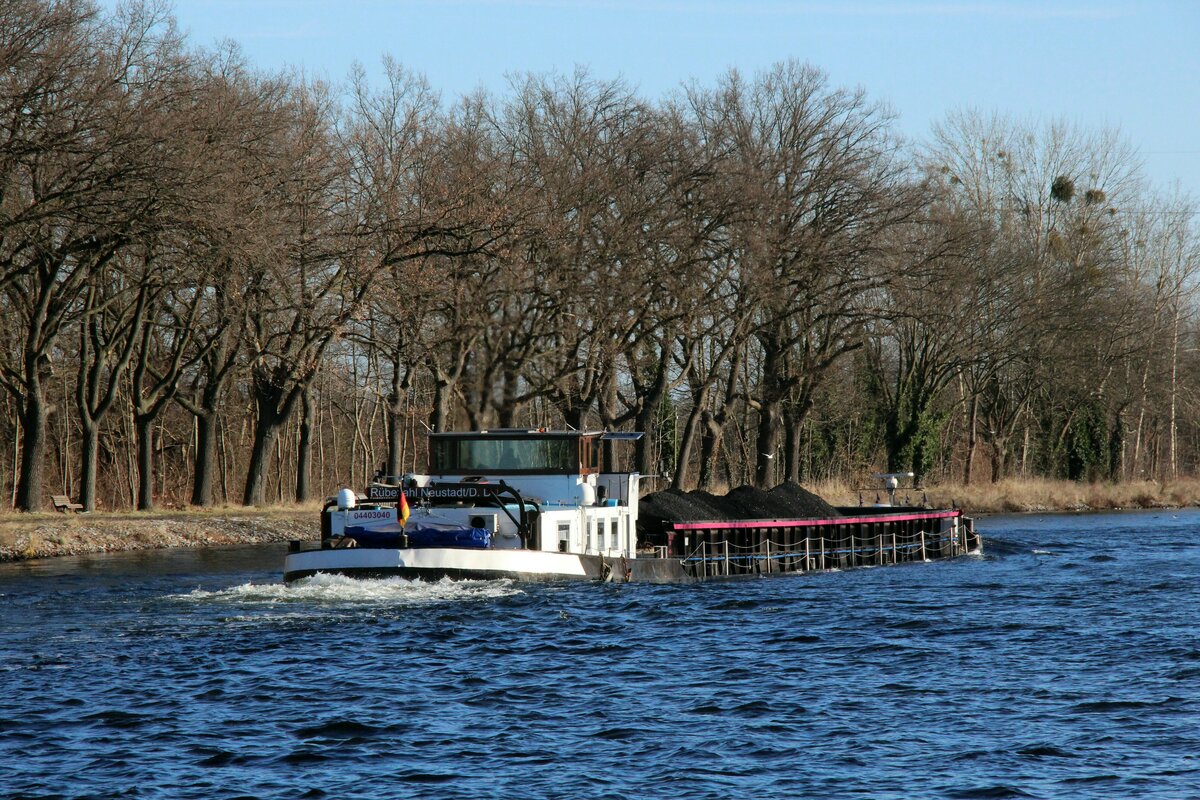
403, 508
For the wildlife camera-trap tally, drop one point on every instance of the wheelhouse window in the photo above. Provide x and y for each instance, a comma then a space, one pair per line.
465, 455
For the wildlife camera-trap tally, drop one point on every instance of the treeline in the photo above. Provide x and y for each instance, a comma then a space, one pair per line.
222, 285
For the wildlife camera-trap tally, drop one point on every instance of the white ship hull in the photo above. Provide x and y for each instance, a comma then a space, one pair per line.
432, 563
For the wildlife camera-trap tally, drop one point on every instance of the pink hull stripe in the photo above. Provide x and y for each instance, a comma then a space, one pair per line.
802, 523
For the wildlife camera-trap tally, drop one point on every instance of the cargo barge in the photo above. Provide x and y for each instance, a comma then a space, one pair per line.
539, 505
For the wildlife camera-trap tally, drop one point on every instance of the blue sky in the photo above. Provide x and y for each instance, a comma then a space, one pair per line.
1105, 63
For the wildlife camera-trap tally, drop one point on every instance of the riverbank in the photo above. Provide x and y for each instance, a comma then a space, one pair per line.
46, 535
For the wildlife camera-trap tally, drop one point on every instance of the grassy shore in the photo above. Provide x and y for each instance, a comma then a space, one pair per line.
48, 534
1035, 495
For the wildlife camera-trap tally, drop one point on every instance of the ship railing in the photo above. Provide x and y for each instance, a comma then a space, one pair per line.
724, 557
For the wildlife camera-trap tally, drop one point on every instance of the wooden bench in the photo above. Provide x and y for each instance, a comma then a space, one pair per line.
63, 504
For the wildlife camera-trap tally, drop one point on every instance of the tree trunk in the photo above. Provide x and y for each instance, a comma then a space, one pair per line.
644, 447
793, 446
972, 437
687, 442
274, 406
276, 394
646, 419
712, 425
266, 432
89, 460
712, 428
1174, 427
395, 415
1136, 470
145, 461
206, 458
395, 436
443, 404
34, 414
773, 392
999, 457
304, 447
770, 429
508, 415
574, 417
509, 410
478, 417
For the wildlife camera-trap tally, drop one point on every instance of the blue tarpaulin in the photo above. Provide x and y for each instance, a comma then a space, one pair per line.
418, 536
477, 538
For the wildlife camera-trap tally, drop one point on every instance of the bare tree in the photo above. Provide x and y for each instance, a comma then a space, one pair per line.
310, 283
433, 203
80, 131
577, 147
113, 314
818, 167
1048, 197
227, 174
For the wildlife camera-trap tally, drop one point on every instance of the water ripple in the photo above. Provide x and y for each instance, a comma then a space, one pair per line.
1061, 664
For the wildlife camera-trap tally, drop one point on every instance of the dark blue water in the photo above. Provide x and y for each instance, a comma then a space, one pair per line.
1063, 664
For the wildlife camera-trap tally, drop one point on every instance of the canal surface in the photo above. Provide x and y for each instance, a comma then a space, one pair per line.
1065, 663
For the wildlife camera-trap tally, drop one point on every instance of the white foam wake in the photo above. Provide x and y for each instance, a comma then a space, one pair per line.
339, 589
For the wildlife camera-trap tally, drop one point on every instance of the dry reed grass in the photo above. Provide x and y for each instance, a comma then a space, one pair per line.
1020, 495
1029, 494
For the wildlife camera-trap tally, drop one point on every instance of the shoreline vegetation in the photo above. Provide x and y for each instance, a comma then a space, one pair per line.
48, 534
